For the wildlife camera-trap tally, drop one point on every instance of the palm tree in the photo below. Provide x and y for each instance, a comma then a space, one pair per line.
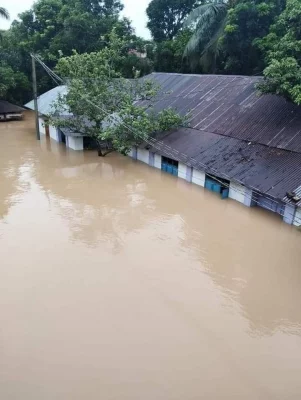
4, 13
208, 22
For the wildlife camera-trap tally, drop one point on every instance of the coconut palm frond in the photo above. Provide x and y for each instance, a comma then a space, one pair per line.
207, 32
212, 44
203, 12
4, 13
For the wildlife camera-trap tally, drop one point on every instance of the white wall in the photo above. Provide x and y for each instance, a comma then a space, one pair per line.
143, 155
198, 177
53, 133
42, 126
182, 171
75, 143
158, 161
237, 192
297, 220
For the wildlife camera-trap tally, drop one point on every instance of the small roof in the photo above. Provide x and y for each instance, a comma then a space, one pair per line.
46, 100
7, 108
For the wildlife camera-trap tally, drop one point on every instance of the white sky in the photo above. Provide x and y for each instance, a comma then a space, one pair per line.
134, 10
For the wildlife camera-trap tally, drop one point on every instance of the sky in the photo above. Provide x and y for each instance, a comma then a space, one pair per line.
133, 9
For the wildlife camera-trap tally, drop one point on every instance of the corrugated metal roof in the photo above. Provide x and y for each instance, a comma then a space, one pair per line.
46, 100
234, 132
6, 108
231, 106
271, 171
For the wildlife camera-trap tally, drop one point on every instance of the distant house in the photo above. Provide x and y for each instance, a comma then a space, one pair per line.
137, 53
10, 111
239, 144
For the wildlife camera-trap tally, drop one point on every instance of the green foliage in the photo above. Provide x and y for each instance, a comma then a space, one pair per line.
14, 84
283, 54
106, 106
248, 21
168, 55
166, 17
52, 28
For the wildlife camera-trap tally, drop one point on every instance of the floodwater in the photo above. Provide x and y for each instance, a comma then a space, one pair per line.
120, 282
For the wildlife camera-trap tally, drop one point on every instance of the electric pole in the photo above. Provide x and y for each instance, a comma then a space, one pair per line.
35, 95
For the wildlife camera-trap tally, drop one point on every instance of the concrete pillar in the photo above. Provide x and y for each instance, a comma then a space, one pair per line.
198, 177
182, 170
237, 192
42, 126
289, 214
75, 143
248, 200
297, 219
189, 173
133, 153
157, 161
53, 133
151, 160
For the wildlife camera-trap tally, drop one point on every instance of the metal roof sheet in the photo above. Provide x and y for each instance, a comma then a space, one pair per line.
233, 131
231, 106
46, 100
271, 171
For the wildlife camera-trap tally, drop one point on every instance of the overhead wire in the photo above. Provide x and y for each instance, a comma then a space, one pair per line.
173, 153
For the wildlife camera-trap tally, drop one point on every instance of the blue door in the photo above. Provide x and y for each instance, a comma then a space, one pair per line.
217, 187
170, 166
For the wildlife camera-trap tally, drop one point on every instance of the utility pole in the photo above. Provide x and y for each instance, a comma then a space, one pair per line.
35, 95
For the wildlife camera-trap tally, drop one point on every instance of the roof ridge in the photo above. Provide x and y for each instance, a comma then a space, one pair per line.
201, 75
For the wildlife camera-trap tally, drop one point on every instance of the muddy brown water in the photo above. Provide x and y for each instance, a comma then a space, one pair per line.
120, 282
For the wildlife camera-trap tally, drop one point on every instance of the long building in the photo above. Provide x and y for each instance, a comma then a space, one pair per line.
238, 144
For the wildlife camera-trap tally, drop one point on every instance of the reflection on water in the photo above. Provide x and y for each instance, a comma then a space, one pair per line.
120, 282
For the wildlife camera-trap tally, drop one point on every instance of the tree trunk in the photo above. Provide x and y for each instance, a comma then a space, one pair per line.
103, 154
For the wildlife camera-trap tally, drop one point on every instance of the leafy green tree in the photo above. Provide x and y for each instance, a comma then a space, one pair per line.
106, 106
14, 85
166, 17
283, 54
168, 55
248, 21
54, 27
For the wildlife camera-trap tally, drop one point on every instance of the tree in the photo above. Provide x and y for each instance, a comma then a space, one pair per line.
53, 27
283, 54
168, 55
4, 13
14, 85
208, 22
166, 17
248, 21
106, 106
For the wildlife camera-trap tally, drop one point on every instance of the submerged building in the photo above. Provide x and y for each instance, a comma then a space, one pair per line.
238, 144
10, 111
